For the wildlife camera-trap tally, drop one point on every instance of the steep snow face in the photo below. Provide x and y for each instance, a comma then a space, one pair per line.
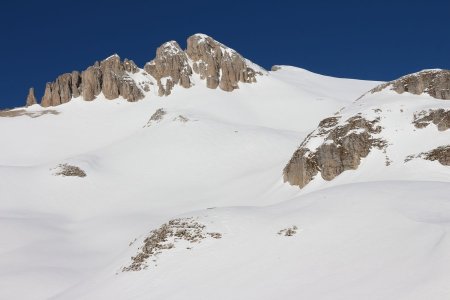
214, 160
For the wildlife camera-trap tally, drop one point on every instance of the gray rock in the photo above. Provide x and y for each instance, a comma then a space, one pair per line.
441, 154
171, 62
91, 79
218, 64
31, 99
342, 150
62, 89
435, 83
109, 76
439, 117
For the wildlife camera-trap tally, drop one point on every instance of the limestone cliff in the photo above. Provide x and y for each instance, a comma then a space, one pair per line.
172, 66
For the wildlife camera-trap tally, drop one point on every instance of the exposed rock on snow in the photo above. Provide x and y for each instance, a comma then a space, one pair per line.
31, 99
172, 64
218, 64
439, 117
340, 148
167, 237
23, 112
69, 170
221, 67
109, 76
181, 119
441, 154
62, 89
157, 116
290, 231
435, 83
275, 68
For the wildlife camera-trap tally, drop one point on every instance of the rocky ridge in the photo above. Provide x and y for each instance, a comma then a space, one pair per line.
212, 61
439, 117
435, 83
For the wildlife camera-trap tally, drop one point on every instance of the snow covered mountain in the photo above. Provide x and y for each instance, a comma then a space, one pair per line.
179, 192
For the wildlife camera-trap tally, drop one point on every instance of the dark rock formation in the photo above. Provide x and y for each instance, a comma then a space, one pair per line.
341, 149
31, 99
439, 117
435, 83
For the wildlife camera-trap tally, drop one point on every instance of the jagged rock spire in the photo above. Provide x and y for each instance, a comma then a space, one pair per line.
31, 99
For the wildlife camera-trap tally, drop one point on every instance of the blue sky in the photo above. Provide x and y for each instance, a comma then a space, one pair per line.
378, 40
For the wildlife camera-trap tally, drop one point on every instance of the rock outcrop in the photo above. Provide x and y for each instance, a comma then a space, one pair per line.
435, 83
441, 154
218, 64
31, 99
109, 76
62, 89
340, 148
439, 117
171, 63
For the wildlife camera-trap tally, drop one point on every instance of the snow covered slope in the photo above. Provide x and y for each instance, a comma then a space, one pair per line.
208, 164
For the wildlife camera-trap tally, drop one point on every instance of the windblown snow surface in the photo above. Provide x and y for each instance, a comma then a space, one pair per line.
379, 232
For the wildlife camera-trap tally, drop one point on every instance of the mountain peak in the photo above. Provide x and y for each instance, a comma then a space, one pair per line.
217, 64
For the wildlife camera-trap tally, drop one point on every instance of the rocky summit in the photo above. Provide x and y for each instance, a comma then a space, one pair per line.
220, 66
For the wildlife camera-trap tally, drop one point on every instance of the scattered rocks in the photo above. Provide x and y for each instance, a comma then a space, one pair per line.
435, 83
341, 148
157, 116
69, 170
166, 237
181, 119
439, 117
290, 231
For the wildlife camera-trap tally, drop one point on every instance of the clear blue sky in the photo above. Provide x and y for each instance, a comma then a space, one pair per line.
378, 40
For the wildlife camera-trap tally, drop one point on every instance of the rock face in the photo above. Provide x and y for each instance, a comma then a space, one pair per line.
441, 154
172, 64
439, 117
109, 76
62, 89
435, 83
31, 99
218, 64
341, 148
